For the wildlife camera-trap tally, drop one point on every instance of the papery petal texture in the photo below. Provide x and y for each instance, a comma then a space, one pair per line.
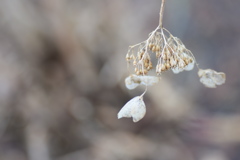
134, 81
134, 108
211, 78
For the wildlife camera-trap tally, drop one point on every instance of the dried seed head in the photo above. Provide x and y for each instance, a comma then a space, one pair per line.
150, 45
145, 71
134, 62
128, 57
134, 108
136, 69
146, 64
154, 48
164, 56
170, 52
163, 67
133, 57
168, 65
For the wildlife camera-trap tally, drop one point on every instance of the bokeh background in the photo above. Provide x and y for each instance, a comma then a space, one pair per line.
62, 71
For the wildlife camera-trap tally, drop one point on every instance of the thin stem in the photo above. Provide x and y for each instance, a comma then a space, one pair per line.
144, 92
161, 14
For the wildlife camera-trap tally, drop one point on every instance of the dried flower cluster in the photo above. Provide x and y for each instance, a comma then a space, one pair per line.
169, 51
171, 54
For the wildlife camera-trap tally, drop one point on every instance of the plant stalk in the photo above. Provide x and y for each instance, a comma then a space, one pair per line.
161, 14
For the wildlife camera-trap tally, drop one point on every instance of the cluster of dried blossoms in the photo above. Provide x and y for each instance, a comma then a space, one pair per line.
171, 54
169, 51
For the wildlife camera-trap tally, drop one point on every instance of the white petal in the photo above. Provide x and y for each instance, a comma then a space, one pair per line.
181, 63
176, 70
211, 78
208, 82
134, 108
132, 82
219, 78
173, 62
149, 80
190, 66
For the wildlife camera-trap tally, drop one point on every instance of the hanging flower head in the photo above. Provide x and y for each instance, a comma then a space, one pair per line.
171, 54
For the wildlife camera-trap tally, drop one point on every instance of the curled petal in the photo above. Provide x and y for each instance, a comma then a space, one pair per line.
149, 80
211, 78
219, 78
177, 70
200, 73
208, 82
190, 66
134, 108
133, 81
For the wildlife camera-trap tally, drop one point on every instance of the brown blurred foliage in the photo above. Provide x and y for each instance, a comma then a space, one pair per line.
62, 70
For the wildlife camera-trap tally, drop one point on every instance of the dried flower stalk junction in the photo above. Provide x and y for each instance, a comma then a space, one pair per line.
171, 54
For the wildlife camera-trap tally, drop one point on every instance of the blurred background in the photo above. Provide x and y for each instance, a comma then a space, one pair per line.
62, 71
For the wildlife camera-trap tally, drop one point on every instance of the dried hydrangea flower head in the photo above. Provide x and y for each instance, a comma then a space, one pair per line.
169, 51
171, 54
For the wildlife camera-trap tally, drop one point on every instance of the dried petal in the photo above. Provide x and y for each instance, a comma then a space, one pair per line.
173, 62
219, 78
134, 108
176, 70
190, 66
211, 78
200, 73
208, 82
181, 64
133, 81
149, 80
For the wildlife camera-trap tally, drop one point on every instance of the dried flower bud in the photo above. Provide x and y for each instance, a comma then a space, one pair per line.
150, 46
128, 57
190, 66
211, 78
134, 108
134, 62
154, 48
181, 64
